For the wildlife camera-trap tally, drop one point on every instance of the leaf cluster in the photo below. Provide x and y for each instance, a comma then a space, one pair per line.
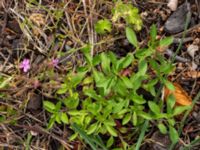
108, 96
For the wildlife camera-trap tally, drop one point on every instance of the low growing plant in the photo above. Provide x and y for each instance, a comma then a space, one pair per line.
129, 13
103, 96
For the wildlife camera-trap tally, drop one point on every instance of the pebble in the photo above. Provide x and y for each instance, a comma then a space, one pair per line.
176, 22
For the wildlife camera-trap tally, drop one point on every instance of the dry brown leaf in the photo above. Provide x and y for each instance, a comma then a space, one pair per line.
182, 98
193, 74
38, 19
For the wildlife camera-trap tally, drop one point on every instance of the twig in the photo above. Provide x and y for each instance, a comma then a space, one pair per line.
187, 31
185, 40
38, 129
178, 58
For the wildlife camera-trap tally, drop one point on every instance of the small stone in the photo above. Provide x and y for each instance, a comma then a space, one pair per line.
35, 102
176, 22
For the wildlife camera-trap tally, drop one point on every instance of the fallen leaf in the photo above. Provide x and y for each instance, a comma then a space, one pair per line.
194, 66
192, 49
193, 74
38, 19
182, 98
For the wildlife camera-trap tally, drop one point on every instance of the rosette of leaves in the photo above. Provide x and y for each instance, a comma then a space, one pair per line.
129, 13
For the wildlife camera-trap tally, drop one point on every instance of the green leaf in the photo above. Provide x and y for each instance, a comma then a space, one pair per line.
126, 119
97, 75
87, 80
73, 136
137, 99
120, 88
58, 106
134, 118
126, 61
144, 52
4, 82
166, 67
58, 118
105, 63
173, 134
169, 85
150, 86
63, 89
170, 103
72, 101
112, 57
51, 122
127, 82
107, 84
92, 94
142, 68
84, 136
2, 118
86, 49
92, 128
154, 107
49, 106
110, 142
180, 109
136, 80
171, 121
103, 26
145, 115
110, 122
131, 36
166, 41
96, 60
154, 65
77, 78
162, 128
118, 106
94, 108
64, 118
111, 130
153, 32
77, 112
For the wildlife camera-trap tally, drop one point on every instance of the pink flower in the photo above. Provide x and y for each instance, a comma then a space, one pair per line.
55, 62
25, 65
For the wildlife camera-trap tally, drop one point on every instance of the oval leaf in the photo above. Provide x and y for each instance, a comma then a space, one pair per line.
111, 130
173, 134
126, 119
166, 41
131, 36
64, 118
154, 107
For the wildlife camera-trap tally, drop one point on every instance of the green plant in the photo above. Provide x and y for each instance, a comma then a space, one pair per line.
57, 115
99, 94
103, 26
129, 13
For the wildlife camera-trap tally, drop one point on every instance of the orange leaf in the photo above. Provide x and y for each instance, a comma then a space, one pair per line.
182, 98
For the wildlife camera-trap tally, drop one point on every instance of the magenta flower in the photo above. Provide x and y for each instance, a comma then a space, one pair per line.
25, 65
55, 62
